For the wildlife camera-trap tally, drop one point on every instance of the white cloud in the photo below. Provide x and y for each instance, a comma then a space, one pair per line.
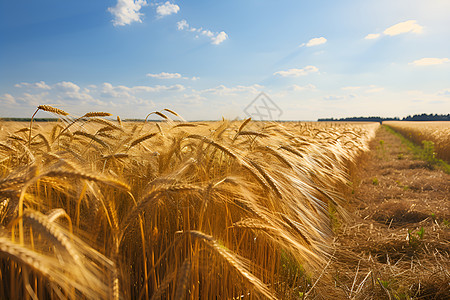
445, 92
316, 41
223, 90
122, 91
165, 75
216, 37
127, 11
429, 61
372, 36
7, 99
183, 24
63, 90
404, 27
109, 90
298, 88
34, 99
207, 33
219, 38
167, 9
67, 86
399, 28
192, 99
158, 88
38, 85
297, 72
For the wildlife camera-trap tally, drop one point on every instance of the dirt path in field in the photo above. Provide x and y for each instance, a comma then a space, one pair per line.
398, 190
397, 243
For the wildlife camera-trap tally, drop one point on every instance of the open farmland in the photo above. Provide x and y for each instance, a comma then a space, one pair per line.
438, 133
92, 208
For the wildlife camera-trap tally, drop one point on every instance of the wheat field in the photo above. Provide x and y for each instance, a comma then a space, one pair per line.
419, 132
97, 209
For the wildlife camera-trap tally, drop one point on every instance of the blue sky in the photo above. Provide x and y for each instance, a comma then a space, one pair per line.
208, 59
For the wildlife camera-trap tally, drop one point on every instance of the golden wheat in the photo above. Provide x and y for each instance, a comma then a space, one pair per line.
194, 210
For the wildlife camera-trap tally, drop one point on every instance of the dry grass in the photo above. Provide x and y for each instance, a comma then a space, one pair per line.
219, 210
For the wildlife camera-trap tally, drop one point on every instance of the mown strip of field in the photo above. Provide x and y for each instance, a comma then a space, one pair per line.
397, 243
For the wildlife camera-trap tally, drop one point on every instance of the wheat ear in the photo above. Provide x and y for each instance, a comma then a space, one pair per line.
174, 113
96, 114
78, 174
42, 223
24, 255
182, 279
244, 124
47, 108
142, 138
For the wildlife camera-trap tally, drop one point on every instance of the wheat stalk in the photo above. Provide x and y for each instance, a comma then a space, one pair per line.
235, 262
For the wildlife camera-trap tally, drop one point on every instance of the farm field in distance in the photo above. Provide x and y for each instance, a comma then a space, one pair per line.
95, 208
438, 133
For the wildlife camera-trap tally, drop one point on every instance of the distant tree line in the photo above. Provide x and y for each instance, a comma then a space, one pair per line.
426, 117
29, 119
422, 117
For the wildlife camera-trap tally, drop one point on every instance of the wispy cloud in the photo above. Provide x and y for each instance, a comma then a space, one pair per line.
127, 11
366, 89
350, 88
224, 90
66, 86
409, 26
216, 37
372, 36
7, 99
121, 91
167, 9
37, 85
69, 93
165, 75
429, 61
314, 42
299, 88
444, 92
404, 27
182, 25
297, 72
374, 90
